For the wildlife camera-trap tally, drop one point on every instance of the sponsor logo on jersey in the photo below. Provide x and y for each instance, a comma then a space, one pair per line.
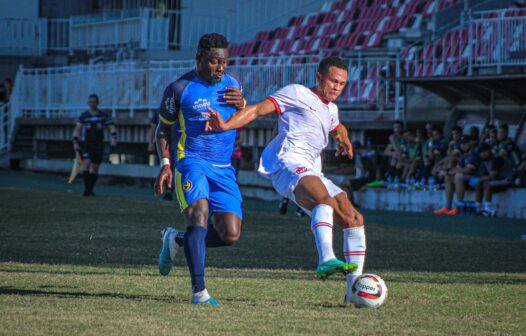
187, 185
169, 104
201, 104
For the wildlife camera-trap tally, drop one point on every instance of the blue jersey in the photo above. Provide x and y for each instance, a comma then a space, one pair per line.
184, 101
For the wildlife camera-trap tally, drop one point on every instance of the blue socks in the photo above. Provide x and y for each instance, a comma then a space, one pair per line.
195, 252
212, 238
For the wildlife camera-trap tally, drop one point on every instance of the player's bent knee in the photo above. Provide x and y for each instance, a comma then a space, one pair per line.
231, 238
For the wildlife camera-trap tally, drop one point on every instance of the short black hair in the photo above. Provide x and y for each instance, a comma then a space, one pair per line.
93, 95
504, 127
210, 41
399, 122
334, 61
458, 129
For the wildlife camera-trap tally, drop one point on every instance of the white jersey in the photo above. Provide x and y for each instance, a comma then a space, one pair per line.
305, 121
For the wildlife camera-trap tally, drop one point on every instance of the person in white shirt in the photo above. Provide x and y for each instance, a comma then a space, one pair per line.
307, 117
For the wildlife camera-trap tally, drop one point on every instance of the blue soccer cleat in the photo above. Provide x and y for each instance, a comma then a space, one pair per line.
211, 301
168, 251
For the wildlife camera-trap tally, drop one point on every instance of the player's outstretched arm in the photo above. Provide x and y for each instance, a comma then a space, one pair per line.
341, 136
240, 118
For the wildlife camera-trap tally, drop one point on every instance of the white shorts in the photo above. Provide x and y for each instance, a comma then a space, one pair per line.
286, 179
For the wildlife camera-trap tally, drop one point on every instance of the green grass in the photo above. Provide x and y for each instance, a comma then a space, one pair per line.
71, 265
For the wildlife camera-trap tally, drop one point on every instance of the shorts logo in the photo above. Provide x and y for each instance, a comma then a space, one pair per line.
187, 185
300, 170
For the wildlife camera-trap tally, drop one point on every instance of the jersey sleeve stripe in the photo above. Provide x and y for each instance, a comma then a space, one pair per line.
166, 121
335, 128
276, 105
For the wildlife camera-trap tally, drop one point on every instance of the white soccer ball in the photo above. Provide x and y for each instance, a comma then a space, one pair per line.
369, 291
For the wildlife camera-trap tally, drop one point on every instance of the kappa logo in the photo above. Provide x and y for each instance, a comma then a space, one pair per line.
201, 104
187, 185
300, 170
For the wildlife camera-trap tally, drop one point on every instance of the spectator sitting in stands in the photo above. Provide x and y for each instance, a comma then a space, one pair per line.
474, 135
393, 153
506, 147
467, 164
495, 174
435, 152
486, 133
442, 168
411, 157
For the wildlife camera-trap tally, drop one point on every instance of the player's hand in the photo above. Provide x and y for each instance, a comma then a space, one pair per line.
165, 176
216, 123
76, 147
345, 148
234, 97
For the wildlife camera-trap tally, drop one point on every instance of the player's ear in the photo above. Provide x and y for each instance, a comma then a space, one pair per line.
318, 76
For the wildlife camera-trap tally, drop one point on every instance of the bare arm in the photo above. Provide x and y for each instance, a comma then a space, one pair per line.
163, 136
240, 118
341, 136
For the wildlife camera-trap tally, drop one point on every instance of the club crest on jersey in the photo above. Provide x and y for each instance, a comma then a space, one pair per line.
187, 186
201, 104
300, 170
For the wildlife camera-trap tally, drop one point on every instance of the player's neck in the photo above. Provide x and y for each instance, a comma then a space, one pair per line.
316, 90
95, 111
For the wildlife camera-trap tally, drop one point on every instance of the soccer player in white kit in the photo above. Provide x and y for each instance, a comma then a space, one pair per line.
307, 117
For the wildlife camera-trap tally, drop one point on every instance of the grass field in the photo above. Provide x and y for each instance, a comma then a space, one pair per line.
71, 265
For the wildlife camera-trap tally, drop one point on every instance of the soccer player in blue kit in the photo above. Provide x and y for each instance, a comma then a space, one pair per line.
205, 182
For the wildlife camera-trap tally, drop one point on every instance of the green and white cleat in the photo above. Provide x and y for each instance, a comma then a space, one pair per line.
211, 301
332, 266
168, 251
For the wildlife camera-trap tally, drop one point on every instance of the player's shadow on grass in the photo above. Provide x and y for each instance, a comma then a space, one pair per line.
70, 294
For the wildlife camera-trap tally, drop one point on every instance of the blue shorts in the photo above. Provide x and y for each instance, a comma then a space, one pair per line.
196, 179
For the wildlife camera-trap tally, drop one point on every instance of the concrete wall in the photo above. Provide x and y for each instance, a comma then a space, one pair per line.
511, 203
19, 9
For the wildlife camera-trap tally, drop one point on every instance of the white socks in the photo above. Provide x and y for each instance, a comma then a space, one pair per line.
354, 247
321, 226
201, 296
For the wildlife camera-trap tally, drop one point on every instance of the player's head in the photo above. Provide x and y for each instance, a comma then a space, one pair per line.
212, 57
456, 133
331, 77
409, 135
502, 132
398, 127
474, 133
93, 101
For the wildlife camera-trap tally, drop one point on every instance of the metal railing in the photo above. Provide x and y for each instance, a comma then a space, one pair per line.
131, 86
139, 28
23, 37
488, 39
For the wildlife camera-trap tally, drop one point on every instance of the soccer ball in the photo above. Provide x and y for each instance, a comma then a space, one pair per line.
369, 291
